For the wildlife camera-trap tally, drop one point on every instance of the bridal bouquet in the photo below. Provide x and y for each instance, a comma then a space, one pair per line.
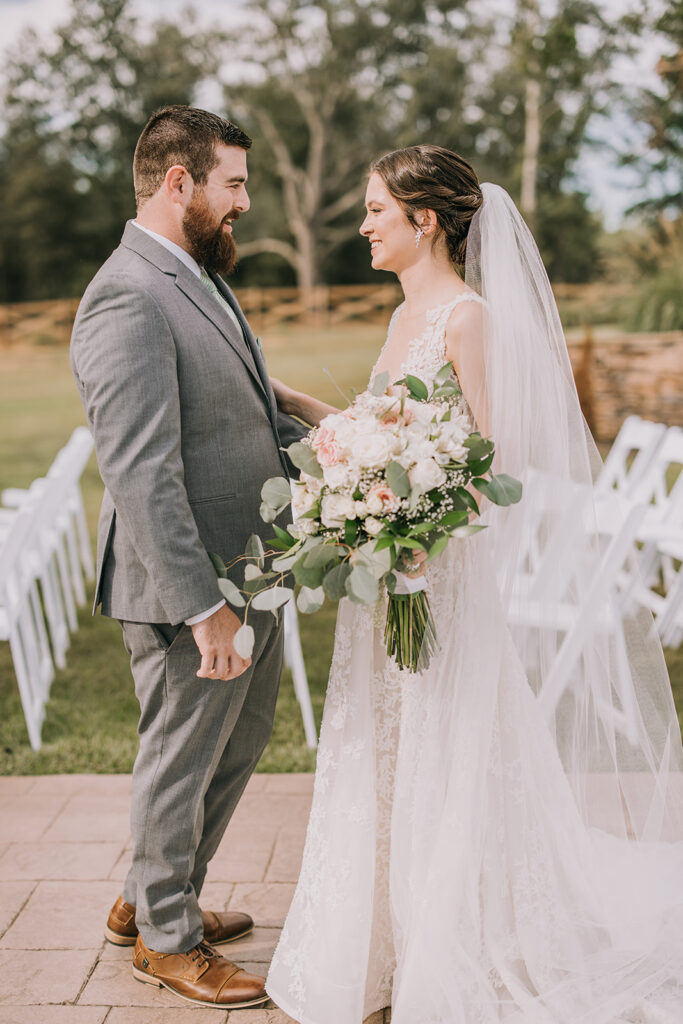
384, 479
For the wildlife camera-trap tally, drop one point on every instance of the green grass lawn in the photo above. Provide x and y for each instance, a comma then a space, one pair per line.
92, 713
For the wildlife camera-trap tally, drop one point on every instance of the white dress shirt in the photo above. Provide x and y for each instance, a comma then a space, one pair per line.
192, 265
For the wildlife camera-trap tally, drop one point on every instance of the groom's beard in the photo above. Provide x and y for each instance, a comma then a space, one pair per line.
209, 243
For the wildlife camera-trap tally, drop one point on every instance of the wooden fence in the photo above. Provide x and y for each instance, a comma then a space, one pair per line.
616, 374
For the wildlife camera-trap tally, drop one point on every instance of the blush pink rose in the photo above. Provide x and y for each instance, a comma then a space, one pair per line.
381, 499
328, 453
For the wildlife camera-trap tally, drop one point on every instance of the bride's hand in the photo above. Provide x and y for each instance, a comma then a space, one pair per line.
416, 567
284, 395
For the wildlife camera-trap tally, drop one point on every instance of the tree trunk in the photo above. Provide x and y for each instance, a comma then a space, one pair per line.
532, 142
532, 116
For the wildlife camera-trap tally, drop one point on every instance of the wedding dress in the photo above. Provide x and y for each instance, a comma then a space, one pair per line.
471, 859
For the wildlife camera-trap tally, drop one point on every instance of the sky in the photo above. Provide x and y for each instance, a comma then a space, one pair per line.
607, 185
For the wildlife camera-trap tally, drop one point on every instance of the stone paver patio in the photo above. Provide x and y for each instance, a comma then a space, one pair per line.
64, 852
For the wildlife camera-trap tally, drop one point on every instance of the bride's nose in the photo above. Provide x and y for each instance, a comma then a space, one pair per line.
364, 229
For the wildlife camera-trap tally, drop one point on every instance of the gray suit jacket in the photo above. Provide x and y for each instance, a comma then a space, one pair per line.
186, 430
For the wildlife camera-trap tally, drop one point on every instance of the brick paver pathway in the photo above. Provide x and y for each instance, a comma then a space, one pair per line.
64, 852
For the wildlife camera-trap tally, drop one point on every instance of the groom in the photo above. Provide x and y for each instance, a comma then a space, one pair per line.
186, 431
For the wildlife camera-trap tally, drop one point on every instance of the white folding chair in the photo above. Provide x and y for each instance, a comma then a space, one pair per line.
21, 621
583, 584
658, 582
294, 660
631, 456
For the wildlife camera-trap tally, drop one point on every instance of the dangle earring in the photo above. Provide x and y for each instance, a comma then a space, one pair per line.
418, 235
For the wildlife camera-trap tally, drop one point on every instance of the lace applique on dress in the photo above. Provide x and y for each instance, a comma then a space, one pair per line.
427, 352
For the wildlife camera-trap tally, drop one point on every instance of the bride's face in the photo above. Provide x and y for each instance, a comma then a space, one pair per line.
386, 227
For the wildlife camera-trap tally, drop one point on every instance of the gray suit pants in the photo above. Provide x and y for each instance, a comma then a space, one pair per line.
200, 741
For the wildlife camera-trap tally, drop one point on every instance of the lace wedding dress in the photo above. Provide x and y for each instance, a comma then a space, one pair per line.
448, 872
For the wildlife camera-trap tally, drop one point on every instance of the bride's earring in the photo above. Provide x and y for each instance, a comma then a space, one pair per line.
418, 235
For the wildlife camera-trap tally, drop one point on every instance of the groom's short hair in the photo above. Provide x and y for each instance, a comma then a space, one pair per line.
181, 135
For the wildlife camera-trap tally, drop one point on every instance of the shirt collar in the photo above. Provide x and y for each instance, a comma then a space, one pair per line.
177, 250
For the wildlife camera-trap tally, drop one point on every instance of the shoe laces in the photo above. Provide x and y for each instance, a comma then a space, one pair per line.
201, 953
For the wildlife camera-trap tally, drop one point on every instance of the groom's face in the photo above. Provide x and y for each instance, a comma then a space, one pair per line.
207, 222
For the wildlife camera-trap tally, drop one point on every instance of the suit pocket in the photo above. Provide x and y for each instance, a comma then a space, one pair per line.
212, 500
165, 634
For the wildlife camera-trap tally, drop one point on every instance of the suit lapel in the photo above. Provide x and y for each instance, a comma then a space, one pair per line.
194, 290
250, 340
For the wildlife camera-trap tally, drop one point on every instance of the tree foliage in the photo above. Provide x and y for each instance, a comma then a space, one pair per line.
324, 87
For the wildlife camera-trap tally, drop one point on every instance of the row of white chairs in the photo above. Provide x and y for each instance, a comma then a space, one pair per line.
645, 467
594, 557
45, 561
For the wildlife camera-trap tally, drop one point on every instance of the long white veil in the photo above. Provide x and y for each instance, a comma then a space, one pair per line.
595, 663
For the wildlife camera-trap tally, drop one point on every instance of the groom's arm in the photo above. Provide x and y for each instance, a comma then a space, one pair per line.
124, 361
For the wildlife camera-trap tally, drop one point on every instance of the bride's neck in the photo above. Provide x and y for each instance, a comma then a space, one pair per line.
429, 282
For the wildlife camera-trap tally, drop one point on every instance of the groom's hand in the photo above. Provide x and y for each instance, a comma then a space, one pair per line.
215, 639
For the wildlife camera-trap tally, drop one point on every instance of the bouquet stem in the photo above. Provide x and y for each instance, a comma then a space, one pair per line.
409, 632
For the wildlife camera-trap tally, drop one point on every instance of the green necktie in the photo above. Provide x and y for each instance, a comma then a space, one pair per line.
211, 287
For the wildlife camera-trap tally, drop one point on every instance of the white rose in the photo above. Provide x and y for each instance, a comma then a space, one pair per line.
373, 526
336, 509
303, 499
306, 527
361, 509
426, 475
374, 450
339, 475
374, 504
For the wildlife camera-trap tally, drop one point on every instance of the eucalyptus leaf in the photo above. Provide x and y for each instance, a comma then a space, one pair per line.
303, 457
361, 586
397, 478
380, 384
377, 562
267, 512
231, 593
307, 577
261, 582
272, 598
276, 492
244, 641
283, 563
322, 555
309, 601
217, 561
254, 548
501, 490
251, 571
334, 582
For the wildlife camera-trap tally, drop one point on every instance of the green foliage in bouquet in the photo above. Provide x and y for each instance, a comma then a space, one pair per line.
365, 507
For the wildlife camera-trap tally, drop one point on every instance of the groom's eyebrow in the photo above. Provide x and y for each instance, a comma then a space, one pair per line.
236, 178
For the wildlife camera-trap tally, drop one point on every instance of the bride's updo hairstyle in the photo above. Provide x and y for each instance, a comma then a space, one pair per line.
433, 178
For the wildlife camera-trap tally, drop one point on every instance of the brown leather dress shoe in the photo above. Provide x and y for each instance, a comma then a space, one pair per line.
220, 927
200, 976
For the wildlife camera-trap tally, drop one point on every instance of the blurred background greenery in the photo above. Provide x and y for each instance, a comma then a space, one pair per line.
92, 713
522, 88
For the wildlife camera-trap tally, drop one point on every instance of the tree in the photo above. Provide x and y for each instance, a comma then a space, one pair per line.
74, 105
329, 96
660, 112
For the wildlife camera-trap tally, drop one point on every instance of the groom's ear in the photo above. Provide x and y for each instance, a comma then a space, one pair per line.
178, 184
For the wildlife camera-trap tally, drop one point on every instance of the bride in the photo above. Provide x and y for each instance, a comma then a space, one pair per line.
490, 840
